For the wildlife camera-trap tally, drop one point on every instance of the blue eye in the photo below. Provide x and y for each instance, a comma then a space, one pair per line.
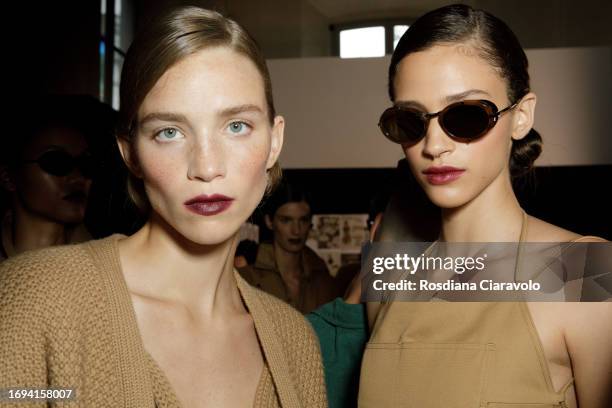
238, 127
168, 134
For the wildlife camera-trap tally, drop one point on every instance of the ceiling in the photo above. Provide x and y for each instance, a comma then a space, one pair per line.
340, 10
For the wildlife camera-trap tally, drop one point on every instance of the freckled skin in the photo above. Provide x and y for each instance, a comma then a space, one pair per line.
179, 267
206, 158
291, 224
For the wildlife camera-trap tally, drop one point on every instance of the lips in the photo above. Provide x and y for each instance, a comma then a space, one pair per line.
208, 205
438, 175
77, 197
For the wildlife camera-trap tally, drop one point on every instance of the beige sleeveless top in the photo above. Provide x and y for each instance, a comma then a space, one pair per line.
444, 355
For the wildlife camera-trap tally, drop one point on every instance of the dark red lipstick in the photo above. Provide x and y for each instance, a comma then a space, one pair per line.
208, 205
438, 175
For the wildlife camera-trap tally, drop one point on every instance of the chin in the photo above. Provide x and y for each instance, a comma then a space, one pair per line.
71, 218
209, 233
447, 199
212, 230
293, 248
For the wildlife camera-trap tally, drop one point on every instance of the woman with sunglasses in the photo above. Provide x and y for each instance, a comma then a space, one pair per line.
161, 318
46, 175
463, 114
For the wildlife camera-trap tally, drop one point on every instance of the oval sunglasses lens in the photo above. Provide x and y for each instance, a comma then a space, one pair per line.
465, 121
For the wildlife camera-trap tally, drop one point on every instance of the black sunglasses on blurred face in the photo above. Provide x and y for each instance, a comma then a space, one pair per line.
61, 163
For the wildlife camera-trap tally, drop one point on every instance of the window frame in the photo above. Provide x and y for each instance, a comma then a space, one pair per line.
388, 25
111, 54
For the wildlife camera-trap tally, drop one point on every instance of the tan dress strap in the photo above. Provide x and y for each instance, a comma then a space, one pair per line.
590, 238
564, 389
537, 343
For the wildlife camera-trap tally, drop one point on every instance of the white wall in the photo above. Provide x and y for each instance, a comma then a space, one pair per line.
332, 108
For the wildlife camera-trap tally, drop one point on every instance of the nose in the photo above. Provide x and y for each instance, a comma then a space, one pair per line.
295, 227
76, 182
207, 159
76, 177
436, 141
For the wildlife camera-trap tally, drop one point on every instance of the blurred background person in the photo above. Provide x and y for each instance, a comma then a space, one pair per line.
46, 174
246, 253
286, 267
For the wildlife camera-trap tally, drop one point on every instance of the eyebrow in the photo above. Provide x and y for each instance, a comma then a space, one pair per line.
461, 96
163, 117
449, 99
234, 110
177, 117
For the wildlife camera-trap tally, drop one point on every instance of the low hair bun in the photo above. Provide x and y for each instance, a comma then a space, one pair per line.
524, 153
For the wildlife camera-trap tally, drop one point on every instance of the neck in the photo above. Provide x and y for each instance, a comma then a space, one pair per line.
289, 263
161, 263
29, 231
495, 215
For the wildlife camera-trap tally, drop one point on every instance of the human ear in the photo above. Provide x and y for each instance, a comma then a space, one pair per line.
268, 221
128, 155
278, 134
524, 116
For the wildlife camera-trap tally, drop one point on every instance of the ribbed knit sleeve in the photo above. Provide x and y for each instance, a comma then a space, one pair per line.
54, 327
22, 327
66, 321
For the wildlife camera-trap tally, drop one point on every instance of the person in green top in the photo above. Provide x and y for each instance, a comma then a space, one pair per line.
342, 331
342, 325
342, 328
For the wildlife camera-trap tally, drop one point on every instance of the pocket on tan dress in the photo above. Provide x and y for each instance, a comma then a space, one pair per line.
423, 375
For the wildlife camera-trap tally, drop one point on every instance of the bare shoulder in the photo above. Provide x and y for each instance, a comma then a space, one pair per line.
579, 313
587, 331
582, 323
587, 326
542, 231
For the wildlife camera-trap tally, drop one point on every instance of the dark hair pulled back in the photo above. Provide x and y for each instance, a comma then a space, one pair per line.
495, 43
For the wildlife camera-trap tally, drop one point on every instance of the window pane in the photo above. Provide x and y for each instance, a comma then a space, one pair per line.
362, 42
398, 31
102, 54
117, 66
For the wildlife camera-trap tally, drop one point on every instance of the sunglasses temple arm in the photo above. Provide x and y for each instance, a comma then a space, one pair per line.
508, 108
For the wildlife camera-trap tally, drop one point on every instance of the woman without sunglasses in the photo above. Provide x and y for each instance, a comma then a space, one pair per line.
463, 114
46, 176
161, 317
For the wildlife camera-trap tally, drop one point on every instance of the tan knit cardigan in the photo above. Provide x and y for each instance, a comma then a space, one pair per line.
67, 321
